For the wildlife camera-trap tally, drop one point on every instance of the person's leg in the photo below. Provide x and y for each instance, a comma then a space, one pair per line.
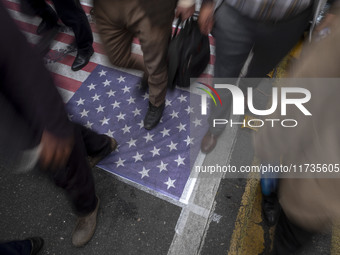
72, 15
78, 182
116, 37
274, 41
97, 146
46, 12
154, 31
77, 178
234, 40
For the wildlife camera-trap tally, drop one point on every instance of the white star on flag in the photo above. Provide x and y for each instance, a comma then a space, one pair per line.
146, 96
190, 109
138, 157
95, 97
141, 124
155, 151
131, 100
174, 114
121, 116
180, 161
182, 98
120, 162
116, 104
109, 133
170, 183
105, 121
126, 89
121, 79
181, 127
136, 112
162, 167
189, 140
148, 137
144, 172
111, 93
89, 124
126, 129
84, 113
197, 122
165, 132
132, 142
102, 72
100, 108
172, 146
80, 101
92, 86
106, 83
167, 102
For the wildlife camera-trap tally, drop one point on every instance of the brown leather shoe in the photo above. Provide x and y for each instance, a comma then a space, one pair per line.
95, 159
208, 142
85, 228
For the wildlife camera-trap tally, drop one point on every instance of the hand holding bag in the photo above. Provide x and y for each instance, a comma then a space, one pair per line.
188, 55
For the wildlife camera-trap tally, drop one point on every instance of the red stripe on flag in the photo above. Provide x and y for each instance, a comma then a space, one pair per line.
11, 5
65, 82
212, 59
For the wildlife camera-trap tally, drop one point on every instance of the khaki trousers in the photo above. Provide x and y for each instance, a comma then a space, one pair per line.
119, 21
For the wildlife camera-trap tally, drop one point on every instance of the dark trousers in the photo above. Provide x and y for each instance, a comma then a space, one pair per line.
16, 248
77, 178
236, 36
71, 14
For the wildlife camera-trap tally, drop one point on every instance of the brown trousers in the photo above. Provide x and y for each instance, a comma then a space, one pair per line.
119, 21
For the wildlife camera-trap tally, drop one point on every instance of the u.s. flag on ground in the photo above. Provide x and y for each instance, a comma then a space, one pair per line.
111, 102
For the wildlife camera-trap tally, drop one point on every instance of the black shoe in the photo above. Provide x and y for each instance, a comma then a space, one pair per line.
82, 59
270, 209
153, 116
105, 151
37, 243
45, 26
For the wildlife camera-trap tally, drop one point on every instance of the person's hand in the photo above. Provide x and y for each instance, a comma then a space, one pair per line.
206, 18
184, 12
55, 151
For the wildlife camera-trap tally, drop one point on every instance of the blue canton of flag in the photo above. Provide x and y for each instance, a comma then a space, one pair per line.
111, 102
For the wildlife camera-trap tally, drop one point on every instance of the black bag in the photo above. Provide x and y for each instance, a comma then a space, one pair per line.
189, 54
